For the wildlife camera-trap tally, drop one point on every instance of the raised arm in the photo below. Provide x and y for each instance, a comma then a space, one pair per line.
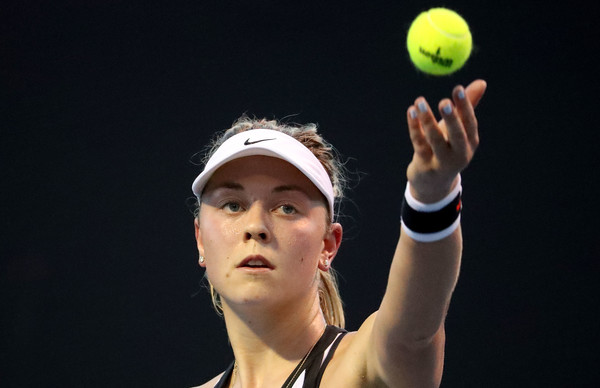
407, 334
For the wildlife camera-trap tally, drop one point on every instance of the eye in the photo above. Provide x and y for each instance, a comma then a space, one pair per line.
288, 209
232, 207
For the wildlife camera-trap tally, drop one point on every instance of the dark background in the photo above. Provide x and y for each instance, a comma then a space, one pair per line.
105, 103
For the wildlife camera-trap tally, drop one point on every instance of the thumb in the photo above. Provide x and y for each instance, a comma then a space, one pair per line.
475, 91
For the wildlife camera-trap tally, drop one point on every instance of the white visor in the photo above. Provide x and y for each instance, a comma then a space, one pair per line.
273, 143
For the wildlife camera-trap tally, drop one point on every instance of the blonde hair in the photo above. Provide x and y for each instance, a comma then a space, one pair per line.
329, 296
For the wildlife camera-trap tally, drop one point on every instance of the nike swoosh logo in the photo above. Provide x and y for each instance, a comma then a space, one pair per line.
248, 142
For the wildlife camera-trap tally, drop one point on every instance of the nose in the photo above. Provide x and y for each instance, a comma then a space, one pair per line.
257, 224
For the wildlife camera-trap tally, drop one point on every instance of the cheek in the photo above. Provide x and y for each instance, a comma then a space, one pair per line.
219, 240
307, 242
215, 228
217, 237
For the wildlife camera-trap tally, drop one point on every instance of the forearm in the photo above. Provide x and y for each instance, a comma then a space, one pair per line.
421, 281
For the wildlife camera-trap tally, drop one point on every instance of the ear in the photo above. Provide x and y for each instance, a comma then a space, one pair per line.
199, 242
331, 244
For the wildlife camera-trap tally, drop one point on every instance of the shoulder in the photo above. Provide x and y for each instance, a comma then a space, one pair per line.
358, 363
349, 365
211, 383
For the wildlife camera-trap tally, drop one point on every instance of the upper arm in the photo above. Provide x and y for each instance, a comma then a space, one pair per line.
398, 364
364, 360
402, 345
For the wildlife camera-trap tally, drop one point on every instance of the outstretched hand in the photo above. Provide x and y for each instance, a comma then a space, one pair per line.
442, 149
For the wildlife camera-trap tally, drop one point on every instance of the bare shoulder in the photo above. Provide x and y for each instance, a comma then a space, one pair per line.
211, 383
348, 366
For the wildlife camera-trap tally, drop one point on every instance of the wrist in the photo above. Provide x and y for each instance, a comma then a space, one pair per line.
419, 204
427, 192
428, 222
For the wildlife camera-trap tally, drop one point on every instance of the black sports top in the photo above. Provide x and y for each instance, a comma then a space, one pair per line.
309, 373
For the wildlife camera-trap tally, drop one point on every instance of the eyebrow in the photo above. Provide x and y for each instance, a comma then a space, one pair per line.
284, 188
228, 185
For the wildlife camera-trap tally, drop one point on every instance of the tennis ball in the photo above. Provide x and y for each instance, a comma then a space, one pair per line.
439, 41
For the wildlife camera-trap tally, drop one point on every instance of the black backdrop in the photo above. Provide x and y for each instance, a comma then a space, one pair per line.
105, 102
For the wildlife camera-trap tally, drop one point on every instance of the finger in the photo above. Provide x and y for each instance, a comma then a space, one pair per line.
457, 136
433, 133
464, 99
417, 136
475, 91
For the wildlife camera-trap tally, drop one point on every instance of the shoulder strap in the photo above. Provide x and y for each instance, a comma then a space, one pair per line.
315, 363
315, 359
315, 370
226, 376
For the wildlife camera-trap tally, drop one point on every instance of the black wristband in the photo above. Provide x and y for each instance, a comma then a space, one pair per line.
434, 221
431, 222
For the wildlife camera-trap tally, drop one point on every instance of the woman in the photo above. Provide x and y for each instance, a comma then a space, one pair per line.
267, 236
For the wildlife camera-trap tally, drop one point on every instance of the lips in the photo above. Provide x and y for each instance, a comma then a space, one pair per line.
256, 261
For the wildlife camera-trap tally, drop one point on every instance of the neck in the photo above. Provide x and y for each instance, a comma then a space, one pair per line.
268, 343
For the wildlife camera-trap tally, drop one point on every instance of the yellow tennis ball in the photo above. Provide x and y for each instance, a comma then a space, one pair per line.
439, 41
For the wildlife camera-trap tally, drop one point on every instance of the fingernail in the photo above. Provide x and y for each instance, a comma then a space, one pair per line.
461, 94
447, 109
412, 113
422, 107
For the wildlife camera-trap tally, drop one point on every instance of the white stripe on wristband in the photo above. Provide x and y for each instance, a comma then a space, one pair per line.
431, 237
420, 214
431, 207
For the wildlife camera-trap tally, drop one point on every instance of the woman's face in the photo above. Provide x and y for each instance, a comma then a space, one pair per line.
263, 232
